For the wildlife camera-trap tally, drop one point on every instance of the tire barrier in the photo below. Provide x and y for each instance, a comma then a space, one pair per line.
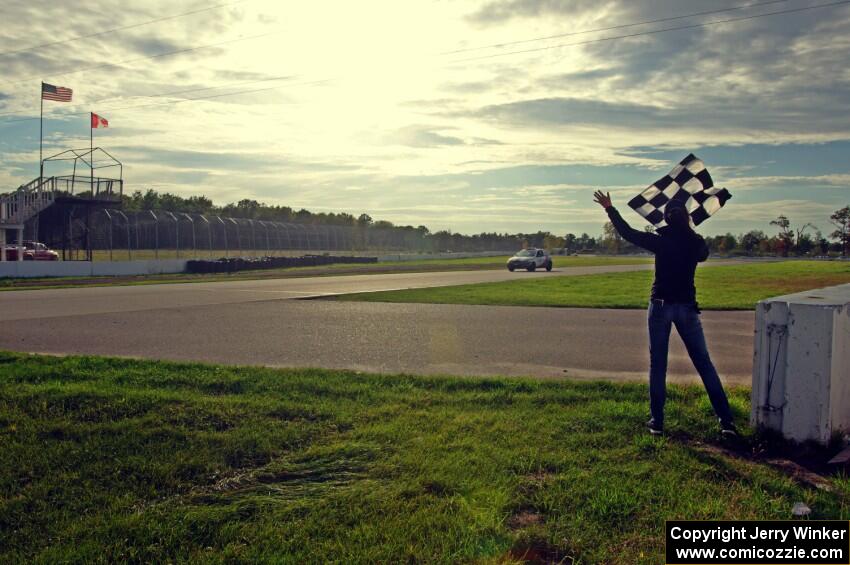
247, 264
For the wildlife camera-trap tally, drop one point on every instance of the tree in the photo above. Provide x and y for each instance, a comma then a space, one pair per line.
553, 242
303, 215
728, 243
841, 220
198, 205
801, 236
751, 241
150, 200
171, 202
804, 244
585, 242
786, 236
822, 243
611, 239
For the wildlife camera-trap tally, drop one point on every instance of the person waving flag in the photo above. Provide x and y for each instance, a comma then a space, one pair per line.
673, 302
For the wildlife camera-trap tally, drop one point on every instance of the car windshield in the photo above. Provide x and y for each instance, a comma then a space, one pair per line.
525, 253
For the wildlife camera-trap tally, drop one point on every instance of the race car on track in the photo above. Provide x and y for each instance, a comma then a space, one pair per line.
530, 259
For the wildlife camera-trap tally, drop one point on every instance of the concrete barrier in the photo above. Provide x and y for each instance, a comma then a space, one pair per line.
31, 269
140, 267
801, 364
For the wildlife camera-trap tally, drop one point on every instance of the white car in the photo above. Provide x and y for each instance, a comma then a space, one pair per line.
530, 259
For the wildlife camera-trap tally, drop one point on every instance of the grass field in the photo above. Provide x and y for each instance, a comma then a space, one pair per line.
126, 461
412, 266
557, 260
736, 287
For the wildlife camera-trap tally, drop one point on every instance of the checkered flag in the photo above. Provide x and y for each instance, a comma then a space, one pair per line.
688, 182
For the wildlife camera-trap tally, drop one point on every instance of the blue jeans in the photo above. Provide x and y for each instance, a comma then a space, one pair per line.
686, 318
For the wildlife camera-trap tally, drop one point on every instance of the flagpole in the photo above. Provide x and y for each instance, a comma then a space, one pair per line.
41, 135
91, 150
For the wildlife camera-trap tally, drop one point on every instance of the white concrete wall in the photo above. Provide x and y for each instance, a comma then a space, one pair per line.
839, 402
770, 336
808, 377
802, 343
30, 269
139, 267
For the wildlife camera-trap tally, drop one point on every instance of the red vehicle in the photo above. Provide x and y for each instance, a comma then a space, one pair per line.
33, 251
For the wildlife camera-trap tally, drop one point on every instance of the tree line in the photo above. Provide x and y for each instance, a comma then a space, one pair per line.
801, 240
788, 240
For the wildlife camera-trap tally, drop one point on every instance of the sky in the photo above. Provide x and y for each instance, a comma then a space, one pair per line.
472, 116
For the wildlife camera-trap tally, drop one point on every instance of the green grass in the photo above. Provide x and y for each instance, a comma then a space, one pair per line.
499, 262
412, 266
737, 287
107, 460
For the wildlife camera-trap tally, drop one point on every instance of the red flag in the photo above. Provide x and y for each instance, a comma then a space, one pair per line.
98, 121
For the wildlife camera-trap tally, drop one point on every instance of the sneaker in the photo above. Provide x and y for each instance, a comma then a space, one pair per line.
654, 428
728, 430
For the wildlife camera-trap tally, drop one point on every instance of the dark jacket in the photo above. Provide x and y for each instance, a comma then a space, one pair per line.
677, 252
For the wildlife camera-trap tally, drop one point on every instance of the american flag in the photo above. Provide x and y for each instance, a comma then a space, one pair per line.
55, 93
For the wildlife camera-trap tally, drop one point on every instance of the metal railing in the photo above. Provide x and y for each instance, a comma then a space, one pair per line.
98, 188
27, 201
31, 198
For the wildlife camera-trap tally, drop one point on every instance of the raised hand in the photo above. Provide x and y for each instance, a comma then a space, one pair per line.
602, 199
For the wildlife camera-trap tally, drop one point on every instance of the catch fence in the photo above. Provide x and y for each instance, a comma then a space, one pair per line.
113, 234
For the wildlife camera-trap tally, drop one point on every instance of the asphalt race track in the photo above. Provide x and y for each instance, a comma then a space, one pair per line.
260, 323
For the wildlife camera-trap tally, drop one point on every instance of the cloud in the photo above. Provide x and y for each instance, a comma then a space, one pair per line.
484, 141
800, 211
471, 87
838, 181
742, 160
568, 81
423, 137
236, 75
500, 11
153, 45
724, 118
80, 20
569, 111
399, 128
